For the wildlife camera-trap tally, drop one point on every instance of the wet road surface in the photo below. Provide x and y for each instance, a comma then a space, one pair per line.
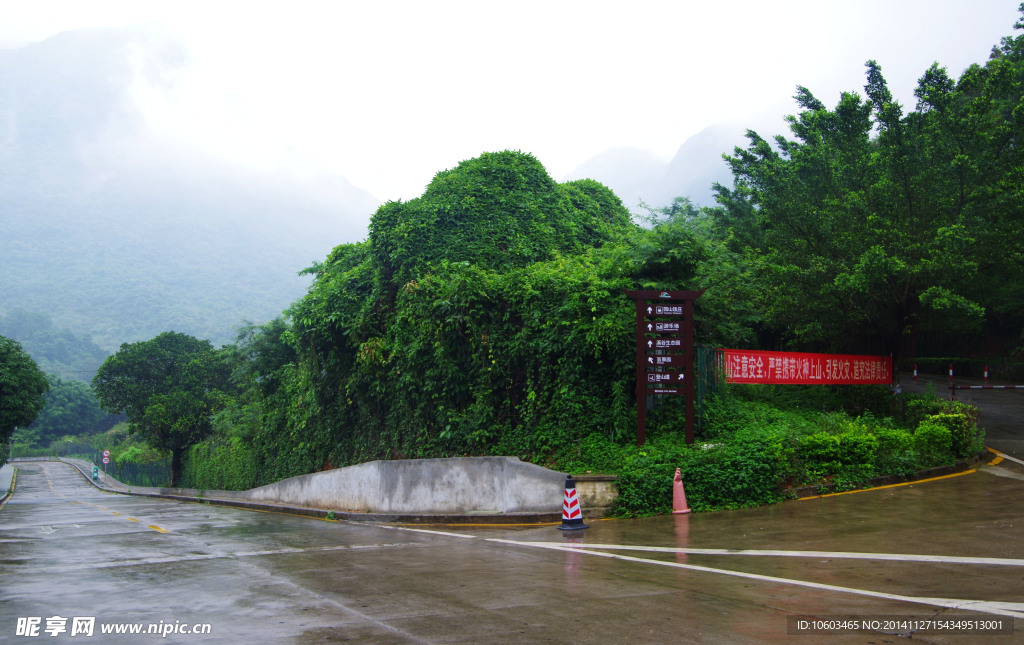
950, 547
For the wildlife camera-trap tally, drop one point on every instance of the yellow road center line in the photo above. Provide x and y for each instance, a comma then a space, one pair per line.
157, 528
865, 490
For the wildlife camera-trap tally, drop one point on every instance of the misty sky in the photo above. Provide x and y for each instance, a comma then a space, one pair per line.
389, 93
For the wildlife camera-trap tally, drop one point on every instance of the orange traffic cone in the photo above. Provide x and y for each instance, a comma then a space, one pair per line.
679, 495
572, 516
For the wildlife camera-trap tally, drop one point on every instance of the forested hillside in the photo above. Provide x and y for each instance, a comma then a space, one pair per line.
487, 316
58, 352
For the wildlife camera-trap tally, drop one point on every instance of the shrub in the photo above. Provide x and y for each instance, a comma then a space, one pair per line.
920, 406
595, 453
858, 448
964, 435
895, 452
644, 492
819, 454
933, 443
130, 455
734, 476
746, 471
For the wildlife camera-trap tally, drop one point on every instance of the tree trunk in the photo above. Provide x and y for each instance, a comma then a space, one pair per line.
175, 467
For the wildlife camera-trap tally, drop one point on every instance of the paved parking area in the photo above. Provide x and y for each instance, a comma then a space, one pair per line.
939, 549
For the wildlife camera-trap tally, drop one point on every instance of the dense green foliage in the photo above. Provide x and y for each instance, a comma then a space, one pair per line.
69, 361
168, 387
487, 316
59, 352
70, 408
764, 443
884, 230
22, 389
132, 461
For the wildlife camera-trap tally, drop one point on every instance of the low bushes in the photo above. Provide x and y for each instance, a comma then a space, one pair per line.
757, 454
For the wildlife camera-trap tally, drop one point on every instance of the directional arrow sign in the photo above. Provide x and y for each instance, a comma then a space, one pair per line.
664, 338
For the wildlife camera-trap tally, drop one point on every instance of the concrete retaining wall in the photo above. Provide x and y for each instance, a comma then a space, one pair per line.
466, 489
447, 486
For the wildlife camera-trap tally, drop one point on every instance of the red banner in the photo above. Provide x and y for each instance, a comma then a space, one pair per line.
796, 368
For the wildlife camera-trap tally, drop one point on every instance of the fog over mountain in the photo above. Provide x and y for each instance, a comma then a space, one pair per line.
117, 232
639, 176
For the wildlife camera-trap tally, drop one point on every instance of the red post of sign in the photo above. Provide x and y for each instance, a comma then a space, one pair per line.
664, 352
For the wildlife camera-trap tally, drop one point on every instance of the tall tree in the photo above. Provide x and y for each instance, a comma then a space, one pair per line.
856, 237
169, 387
22, 389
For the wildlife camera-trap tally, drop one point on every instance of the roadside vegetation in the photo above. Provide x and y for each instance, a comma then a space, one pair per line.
487, 317
763, 443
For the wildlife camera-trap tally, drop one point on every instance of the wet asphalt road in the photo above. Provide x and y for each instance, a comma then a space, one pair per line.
69, 550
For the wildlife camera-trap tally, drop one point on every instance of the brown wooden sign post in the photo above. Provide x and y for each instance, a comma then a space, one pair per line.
664, 351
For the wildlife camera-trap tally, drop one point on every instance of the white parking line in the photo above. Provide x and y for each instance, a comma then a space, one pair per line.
1011, 609
405, 528
828, 555
1006, 456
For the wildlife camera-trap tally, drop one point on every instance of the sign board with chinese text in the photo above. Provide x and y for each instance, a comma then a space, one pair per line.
664, 351
665, 361
799, 368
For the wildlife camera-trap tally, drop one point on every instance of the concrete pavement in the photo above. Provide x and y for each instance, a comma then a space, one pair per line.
946, 548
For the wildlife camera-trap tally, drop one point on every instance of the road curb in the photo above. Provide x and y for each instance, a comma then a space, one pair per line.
10, 486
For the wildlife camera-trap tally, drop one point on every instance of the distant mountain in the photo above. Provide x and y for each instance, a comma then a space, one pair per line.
639, 176
59, 352
119, 236
630, 172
